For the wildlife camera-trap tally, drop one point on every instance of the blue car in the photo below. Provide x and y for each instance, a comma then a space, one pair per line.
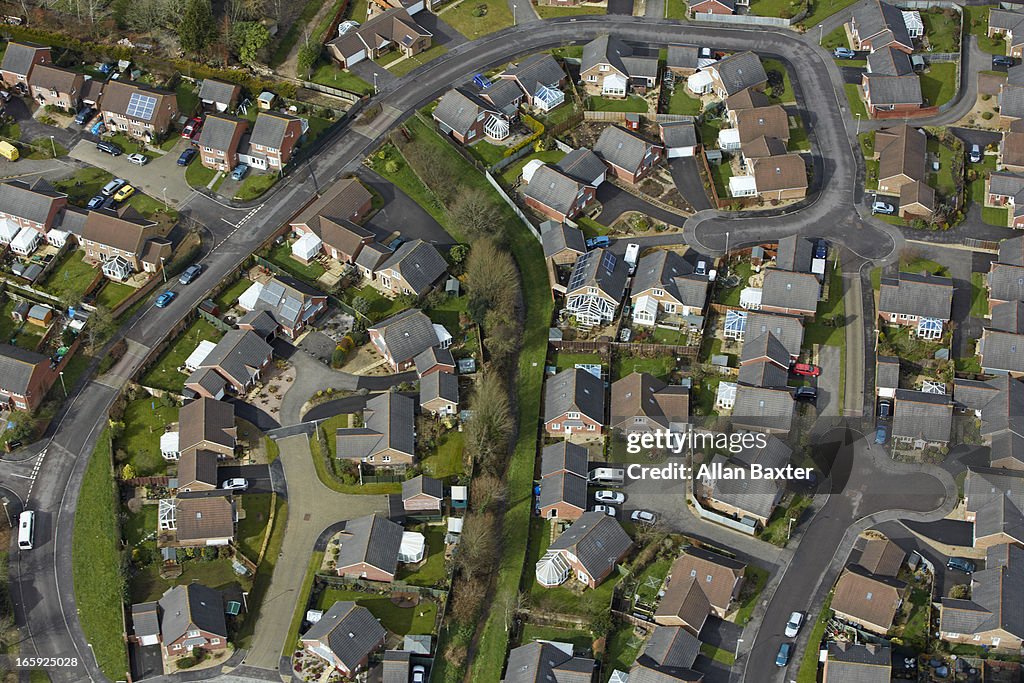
96, 202
239, 172
165, 298
782, 659
396, 243
882, 434
598, 242
186, 157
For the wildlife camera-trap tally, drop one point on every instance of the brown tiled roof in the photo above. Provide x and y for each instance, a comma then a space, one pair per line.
702, 564
882, 557
684, 599
340, 201
869, 600
763, 147
746, 99
124, 230
205, 419
197, 467
641, 393
784, 172
117, 95
55, 78
901, 150
763, 121
345, 236
1012, 148
917, 192
207, 517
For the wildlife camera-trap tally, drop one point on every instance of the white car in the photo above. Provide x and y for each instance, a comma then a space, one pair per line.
882, 207
644, 517
606, 509
610, 497
138, 159
796, 620
419, 673
235, 485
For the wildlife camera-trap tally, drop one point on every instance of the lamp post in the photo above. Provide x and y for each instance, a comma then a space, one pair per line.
821, 33
858, 124
375, 83
514, 14
163, 269
53, 146
63, 386
164, 193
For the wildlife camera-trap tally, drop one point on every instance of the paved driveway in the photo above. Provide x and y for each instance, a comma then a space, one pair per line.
258, 477
828, 382
620, 7
686, 176
160, 176
401, 214
145, 662
616, 201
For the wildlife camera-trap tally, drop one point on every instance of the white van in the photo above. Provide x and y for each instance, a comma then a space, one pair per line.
26, 530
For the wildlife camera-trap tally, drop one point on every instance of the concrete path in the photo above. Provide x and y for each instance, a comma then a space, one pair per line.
312, 507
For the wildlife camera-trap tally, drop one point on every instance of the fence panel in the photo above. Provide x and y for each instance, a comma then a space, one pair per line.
733, 524
515, 207
747, 19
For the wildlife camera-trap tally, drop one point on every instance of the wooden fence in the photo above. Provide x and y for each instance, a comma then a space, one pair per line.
146, 481
606, 347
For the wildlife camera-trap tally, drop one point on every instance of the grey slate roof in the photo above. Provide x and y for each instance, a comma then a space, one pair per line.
219, 131
435, 355
239, 353
887, 372
787, 329
1011, 251
350, 631
373, 540
682, 57
996, 497
217, 91
208, 379
439, 385
563, 455
1004, 20
553, 188
563, 487
389, 424
422, 484
1001, 351
574, 390
794, 253
672, 647
885, 90
145, 619
796, 291
759, 408
17, 366
419, 263
918, 415
1006, 409
1008, 317
29, 201
561, 236
853, 663
18, 57
1005, 184
1011, 99
269, 130
289, 300
878, 17
407, 334
583, 165
997, 596
535, 71
502, 94
607, 50
755, 496
544, 663
889, 62
597, 540
739, 71
641, 673
458, 110
262, 322
765, 345
372, 255
927, 296
591, 270
188, 605
396, 666
669, 271
762, 374
679, 134
1006, 282
619, 147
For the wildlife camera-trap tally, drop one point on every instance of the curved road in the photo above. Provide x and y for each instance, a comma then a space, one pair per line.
41, 579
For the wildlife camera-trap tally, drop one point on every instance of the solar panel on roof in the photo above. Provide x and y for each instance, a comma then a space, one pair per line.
141, 106
609, 261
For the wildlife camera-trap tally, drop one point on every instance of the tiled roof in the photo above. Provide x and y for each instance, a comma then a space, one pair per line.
867, 599
190, 606
740, 71
926, 296
407, 334
419, 263
574, 390
919, 415
372, 540
597, 541
350, 631
619, 147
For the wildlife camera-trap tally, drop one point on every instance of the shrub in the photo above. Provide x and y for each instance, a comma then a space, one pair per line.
480, 10
987, 115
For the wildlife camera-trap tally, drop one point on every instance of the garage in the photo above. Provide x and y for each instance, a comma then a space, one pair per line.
680, 138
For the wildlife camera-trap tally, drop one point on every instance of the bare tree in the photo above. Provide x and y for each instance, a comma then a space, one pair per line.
475, 214
488, 492
488, 431
477, 545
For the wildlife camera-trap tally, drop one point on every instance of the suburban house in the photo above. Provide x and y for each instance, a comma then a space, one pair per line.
589, 550
762, 122
901, 155
1007, 190
573, 404
668, 655
393, 29
878, 25
414, 268
25, 377
563, 481
917, 201
197, 471
1011, 152
748, 98
867, 600
787, 329
711, 7
387, 437
402, 337
334, 218
1005, 278
1006, 24
439, 394
768, 349
290, 302
138, 110
422, 495
890, 82
881, 557
345, 636
628, 156
218, 95
272, 141
1011, 97
736, 73
642, 403
19, 59
583, 165
610, 68
720, 578
55, 86
787, 292
236, 362
22, 205
553, 193
922, 419
124, 242
923, 303
1000, 341
369, 549
540, 79
749, 500
219, 141
205, 424
763, 409
191, 617
145, 623
469, 116
543, 661
683, 60
852, 662
199, 521
679, 138
666, 289
562, 243
994, 500
596, 287
434, 359
776, 177
684, 605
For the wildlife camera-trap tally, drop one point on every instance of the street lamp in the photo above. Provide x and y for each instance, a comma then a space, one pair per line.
736, 655
514, 13
375, 83
163, 269
821, 33
166, 206
63, 386
53, 147
858, 123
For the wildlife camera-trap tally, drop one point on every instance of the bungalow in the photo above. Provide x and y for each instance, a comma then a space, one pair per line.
369, 549
543, 661
126, 236
788, 292
574, 403
628, 156
137, 110
272, 141
868, 663
414, 269
237, 362
642, 403
292, 304
388, 435
745, 498
679, 138
197, 471
202, 521
345, 636
666, 286
562, 243
1006, 24
207, 425
711, 7
191, 618
468, 117
736, 73
563, 481
877, 25
18, 61
422, 495
923, 303
779, 177
393, 29
901, 155
1011, 97
669, 655
589, 550
610, 68
998, 349
37, 205
25, 377
555, 194
757, 122
890, 83
433, 360
720, 578
402, 337
219, 141
596, 287
921, 419
787, 329
540, 79
335, 216
219, 96
439, 394
1007, 190
991, 617
55, 86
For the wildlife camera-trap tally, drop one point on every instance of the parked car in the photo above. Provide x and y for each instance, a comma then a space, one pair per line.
975, 154
882, 434
192, 128
1002, 60
820, 249
806, 369
113, 186
396, 243
885, 408
598, 242
782, 659
625, 335
110, 148
96, 202
239, 172
138, 159
165, 298
606, 509
5, 95
961, 564
843, 53
84, 115
809, 394
190, 274
702, 268
796, 620
124, 193
237, 484
109, 203
610, 497
419, 673
187, 156
883, 207
644, 517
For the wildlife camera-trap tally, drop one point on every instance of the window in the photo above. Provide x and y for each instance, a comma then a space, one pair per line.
708, 579
573, 416
177, 646
590, 428
193, 634
639, 420
556, 427
952, 635
591, 78
658, 292
386, 458
214, 641
604, 67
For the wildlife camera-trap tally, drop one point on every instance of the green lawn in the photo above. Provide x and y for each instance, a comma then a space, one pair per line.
623, 648
96, 563
21, 334
198, 175
113, 293
681, 103
939, 84
717, 654
633, 103
623, 364
942, 181
754, 581
380, 306
915, 631
281, 256
406, 65
818, 10
406, 179
299, 611
431, 572
819, 331
253, 527
582, 641
447, 460
976, 21
84, 184
357, 10
550, 11
721, 173
255, 185
187, 96
164, 373
496, 15
995, 215
942, 30
650, 581
798, 140
488, 154
330, 75
230, 294
591, 228
923, 265
146, 584
46, 148
979, 295
565, 360
71, 278
398, 620
836, 38
145, 421
786, 96
809, 664
854, 98
773, 8
708, 130
327, 476
139, 525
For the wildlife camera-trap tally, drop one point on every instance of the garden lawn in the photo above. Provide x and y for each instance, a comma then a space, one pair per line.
939, 84
681, 103
299, 614
591, 228
581, 640
818, 332
551, 11
798, 141
401, 621
71, 278
83, 185
633, 103
565, 360
113, 293
408, 64
837, 38
198, 175
188, 98
96, 563
487, 153
330, 75
431, 571
145, 420
819, 10
854, 98
46, 148
771, 8
942, 181
995, 215
623, 648
496, 16
281, 256
229, 295
809, 664
510, 174
754, 581
976, 21
164, 374
447, 460
721, 173
140, 524
915, 631
255, 185
942, 32
624, 364
979, 295
147, 585
253, 527
357, 10
380, 306
918, 265
787, 95
717, 654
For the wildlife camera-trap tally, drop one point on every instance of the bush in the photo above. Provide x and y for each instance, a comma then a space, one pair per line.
480, 10
987, 115
338, 357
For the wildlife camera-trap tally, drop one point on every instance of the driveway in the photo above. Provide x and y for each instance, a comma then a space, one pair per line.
616, 201
852, 75
828, 382
401, 214
145, 662
161, 177
905, 538
621, 7
263, 420
339, 406
654, 9
258, 477
686, 176
972, 136
31, 129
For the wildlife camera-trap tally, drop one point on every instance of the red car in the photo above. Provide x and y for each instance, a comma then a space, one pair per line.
806, 370
191, 129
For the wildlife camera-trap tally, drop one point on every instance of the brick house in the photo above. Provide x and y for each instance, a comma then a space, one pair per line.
402, 337
236, 362
574, 404
335, 218
868, 600
422, 495
52, 85
393, 29
879, 24
208, 425
345, 637
387, 437
628, 156
19, 60
923, 303
219, 141
25, 377
192, 617
712, 7
589, 550
563, 481
272, 141
138, 110
35, 205
369, 549
555, 194
414, 268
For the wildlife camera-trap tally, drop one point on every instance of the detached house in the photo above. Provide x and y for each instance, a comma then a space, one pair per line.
197, 471
711, 7
757, 122
219, 141
788, 292
901, 153
749, 500
387, 437
588, 550
642, 403
779, 177
414, 269
272, 141
718, 577
207, 425
994, 500
395, 29
439, 394
923, 303
669, 655
369, 549
553, 193
1011, 97
345, 636
596, 287
666, 287
543, 661
573, 404
191, 618
25, 377
291, 303
562, 243
19, 59
921, 419
138, 110
402, 337
1005, 278
469, 114
540, 79
55, 86
236, 362
198, 522
736, 73
218, 95
991, 617
868, 600
124, 242
763, 409
563, 481
890, 82
1007, 190
878, 25
862, 663
334, 218
1007, 24
1010, 155
610, 68
628, 156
